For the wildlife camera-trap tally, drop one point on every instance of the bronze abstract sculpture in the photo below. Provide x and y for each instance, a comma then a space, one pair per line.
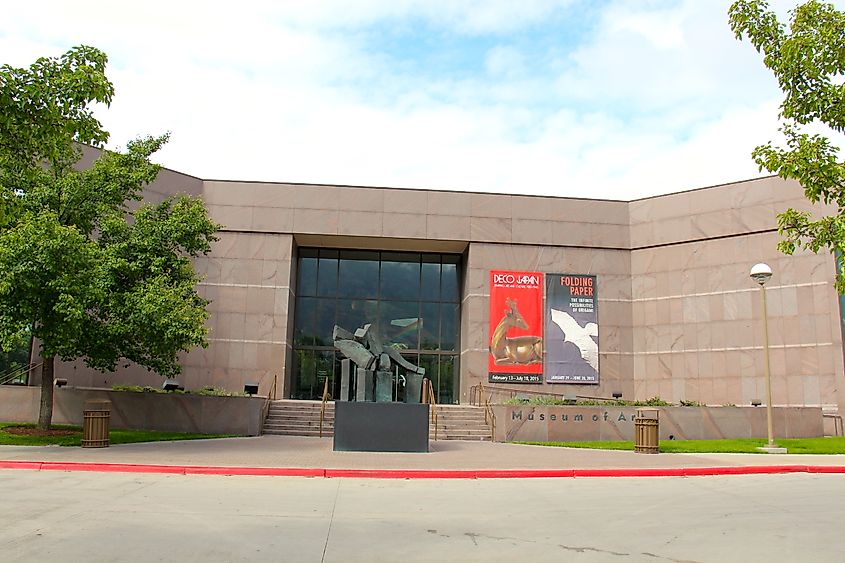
371, 357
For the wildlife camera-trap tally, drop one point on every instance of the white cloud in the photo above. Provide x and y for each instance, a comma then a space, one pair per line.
656, 59
504, 60
658, 97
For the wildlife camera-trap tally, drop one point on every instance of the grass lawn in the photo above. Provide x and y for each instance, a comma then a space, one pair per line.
72, 436
833, 445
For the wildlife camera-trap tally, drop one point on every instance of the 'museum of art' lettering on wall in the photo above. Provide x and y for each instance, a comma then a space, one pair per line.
516, 327
592, 416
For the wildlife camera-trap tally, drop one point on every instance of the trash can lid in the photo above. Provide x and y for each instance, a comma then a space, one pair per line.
97, 404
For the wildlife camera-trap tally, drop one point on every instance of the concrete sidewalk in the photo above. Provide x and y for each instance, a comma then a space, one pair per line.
316, 453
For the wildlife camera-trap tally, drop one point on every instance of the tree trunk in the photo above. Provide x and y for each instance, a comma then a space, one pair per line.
45, 415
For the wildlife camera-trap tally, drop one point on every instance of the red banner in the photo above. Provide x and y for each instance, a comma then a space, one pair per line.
516, 327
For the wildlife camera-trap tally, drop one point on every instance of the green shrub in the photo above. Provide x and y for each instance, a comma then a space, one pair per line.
136, 389
556, 401
216, 392
692, 404
653, 402
206, 391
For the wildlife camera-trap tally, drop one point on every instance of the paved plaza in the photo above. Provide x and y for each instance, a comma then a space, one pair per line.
128, 516
303, 452
82, 516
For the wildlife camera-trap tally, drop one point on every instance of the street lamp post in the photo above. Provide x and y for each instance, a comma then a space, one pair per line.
761, 273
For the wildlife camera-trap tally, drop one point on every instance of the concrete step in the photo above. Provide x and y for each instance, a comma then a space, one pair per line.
299, 418
454, 431
298, 415
470, 437
461, 423
441, 432
290, 407
303, 414
295, 426
444, 422
302, 418
306, 424
314, 433
299, 432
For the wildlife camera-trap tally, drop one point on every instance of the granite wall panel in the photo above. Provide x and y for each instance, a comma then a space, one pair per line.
714, 318
678, 315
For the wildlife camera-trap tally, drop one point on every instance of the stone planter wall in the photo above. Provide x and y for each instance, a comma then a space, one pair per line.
528, 423
241, 416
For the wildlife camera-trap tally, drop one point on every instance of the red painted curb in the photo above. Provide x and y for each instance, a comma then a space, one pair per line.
110, 467
524, 473
255, 471
419, 473
825, 469
707, 471
631, 472
400, 474
36, 465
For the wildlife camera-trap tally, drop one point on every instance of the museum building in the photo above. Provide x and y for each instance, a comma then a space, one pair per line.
658, 289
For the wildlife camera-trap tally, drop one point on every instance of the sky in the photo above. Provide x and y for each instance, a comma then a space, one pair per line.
617, 99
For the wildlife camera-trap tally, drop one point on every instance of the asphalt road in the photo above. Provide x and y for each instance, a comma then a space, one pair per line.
77, 516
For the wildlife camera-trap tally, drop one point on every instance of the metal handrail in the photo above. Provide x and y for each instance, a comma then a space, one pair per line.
433, 402
428, 397
326, 396
837, 423
16, 373
489, 415
265, 412
272, 394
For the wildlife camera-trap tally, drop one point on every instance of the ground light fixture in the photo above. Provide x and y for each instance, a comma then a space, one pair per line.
762, 273
171, 385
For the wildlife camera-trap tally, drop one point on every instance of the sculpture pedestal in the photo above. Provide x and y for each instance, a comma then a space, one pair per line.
380, 427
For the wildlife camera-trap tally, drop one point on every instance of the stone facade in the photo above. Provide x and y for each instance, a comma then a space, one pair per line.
166, 412
526, 423
679, 316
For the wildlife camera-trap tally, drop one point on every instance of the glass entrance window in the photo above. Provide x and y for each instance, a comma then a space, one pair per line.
412, 300
13, 364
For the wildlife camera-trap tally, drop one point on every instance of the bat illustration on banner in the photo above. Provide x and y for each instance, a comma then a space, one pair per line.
579, 335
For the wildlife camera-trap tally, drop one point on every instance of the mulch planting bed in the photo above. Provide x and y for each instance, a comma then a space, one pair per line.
29, 431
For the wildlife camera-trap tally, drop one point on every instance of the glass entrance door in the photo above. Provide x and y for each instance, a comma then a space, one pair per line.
411, 299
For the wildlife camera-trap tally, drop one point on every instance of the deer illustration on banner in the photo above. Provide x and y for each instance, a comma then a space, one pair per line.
516, 327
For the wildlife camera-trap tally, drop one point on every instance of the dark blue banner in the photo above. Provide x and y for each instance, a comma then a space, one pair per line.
572, 330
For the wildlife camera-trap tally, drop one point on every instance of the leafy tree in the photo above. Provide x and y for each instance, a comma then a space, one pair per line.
808, 60
87, 270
